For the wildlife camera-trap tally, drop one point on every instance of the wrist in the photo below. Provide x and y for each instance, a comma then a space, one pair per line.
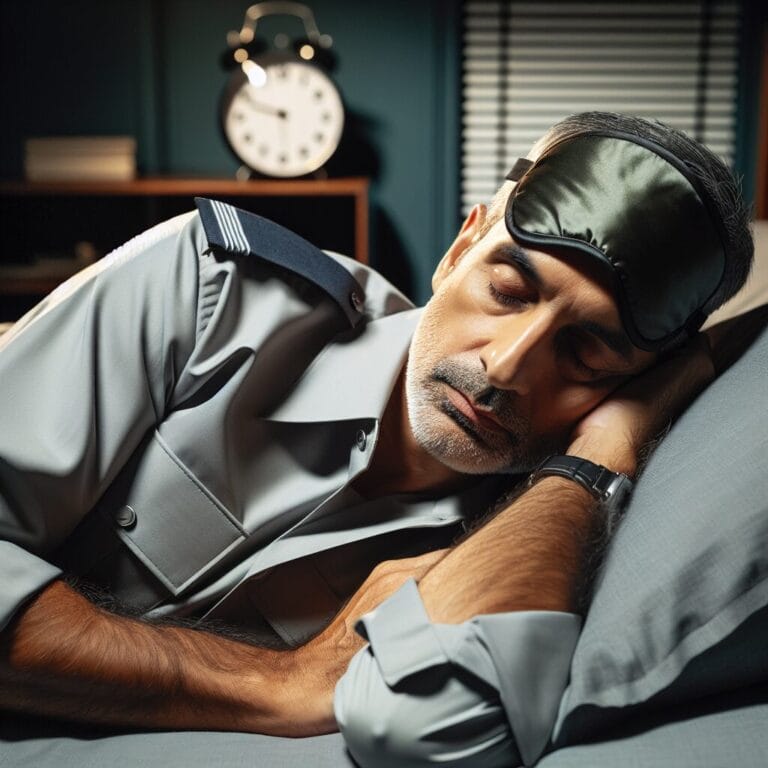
616, 457
306, 691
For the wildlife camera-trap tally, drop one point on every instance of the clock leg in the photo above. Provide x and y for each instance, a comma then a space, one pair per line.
243, 173
320, 174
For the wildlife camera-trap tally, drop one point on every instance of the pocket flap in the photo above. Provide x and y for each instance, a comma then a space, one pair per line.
168, 519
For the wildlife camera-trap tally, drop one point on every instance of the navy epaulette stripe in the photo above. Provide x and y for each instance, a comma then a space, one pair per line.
230, 226
222, 227
239, 234
242, 232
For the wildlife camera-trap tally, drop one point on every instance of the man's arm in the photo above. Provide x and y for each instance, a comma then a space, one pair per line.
66, 657
496, 681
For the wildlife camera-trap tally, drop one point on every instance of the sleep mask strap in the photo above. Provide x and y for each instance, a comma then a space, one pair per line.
519, 169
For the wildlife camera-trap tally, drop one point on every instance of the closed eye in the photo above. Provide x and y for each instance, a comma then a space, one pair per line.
598, 376
505, 299
571, 348
583, 368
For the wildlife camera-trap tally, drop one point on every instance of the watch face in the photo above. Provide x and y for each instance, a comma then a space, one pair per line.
285, 119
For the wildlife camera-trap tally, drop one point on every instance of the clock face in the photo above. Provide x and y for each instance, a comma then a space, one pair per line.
284, 119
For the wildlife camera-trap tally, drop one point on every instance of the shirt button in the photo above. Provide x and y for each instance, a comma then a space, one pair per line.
356, 300
125, 517
361, 439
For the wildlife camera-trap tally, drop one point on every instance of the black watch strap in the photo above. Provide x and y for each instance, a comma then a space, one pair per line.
609, 487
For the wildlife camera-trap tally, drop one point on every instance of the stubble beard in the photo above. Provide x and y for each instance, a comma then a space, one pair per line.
446, 434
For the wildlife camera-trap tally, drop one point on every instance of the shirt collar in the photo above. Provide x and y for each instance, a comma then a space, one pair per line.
353, 377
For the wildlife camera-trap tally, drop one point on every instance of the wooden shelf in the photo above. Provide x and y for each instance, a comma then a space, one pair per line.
36, 279
169, 186
354, 187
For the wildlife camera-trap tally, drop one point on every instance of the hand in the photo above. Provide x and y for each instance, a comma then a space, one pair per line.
320, 663
267, 109
384, 580
614, 433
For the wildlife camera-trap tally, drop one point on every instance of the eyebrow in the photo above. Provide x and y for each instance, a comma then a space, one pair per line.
520, 258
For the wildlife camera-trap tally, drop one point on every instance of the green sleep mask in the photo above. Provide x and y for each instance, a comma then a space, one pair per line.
637, 211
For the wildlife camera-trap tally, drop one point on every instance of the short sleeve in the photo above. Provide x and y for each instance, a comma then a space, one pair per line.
484, 693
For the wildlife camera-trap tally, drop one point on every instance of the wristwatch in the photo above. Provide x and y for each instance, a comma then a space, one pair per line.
610, 488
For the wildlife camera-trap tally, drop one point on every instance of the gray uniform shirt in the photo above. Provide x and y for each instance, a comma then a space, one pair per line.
180, 424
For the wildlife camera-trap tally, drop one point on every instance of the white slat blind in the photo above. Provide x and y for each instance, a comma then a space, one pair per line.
527, 65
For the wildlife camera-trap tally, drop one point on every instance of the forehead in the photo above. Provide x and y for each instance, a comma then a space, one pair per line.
552, 271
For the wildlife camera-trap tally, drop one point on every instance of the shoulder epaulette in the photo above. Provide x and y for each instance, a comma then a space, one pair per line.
242, 232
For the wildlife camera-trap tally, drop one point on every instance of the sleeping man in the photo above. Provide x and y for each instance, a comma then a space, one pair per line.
238, 475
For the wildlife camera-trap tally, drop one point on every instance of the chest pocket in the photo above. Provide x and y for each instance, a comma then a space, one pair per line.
168, 519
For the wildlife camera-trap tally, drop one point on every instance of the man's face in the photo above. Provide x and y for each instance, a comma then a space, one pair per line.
512, 350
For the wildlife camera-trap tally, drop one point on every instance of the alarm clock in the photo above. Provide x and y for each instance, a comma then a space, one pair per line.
281, 113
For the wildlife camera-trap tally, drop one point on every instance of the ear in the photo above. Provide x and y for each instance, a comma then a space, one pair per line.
468, 235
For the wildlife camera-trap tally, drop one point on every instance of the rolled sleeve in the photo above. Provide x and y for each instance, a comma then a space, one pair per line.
484, 693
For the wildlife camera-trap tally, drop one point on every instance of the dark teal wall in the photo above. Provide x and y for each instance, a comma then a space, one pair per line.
150, 68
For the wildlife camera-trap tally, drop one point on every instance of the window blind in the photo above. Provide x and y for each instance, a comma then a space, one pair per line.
527, 65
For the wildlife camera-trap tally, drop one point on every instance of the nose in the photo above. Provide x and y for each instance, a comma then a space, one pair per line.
515, 358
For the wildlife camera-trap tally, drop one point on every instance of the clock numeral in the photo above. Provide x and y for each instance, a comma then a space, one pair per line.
319, 137
318, 95
247, 138
263, 149
303, 151
283, 159
325, 117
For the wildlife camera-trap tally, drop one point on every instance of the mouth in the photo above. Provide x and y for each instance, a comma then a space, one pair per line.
484, 420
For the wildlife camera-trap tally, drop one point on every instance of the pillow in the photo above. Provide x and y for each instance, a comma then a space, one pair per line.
688, 565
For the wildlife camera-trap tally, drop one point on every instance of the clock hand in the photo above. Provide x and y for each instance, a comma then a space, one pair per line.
266, 108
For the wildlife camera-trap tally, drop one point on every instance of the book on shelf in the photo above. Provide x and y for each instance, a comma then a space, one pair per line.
80, 158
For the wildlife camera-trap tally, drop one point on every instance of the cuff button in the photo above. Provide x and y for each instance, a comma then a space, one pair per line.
125, 517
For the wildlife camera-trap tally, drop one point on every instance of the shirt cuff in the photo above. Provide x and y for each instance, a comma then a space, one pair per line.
525, 656
22, 575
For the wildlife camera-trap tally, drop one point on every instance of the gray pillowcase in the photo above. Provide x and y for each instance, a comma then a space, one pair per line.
688, 566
